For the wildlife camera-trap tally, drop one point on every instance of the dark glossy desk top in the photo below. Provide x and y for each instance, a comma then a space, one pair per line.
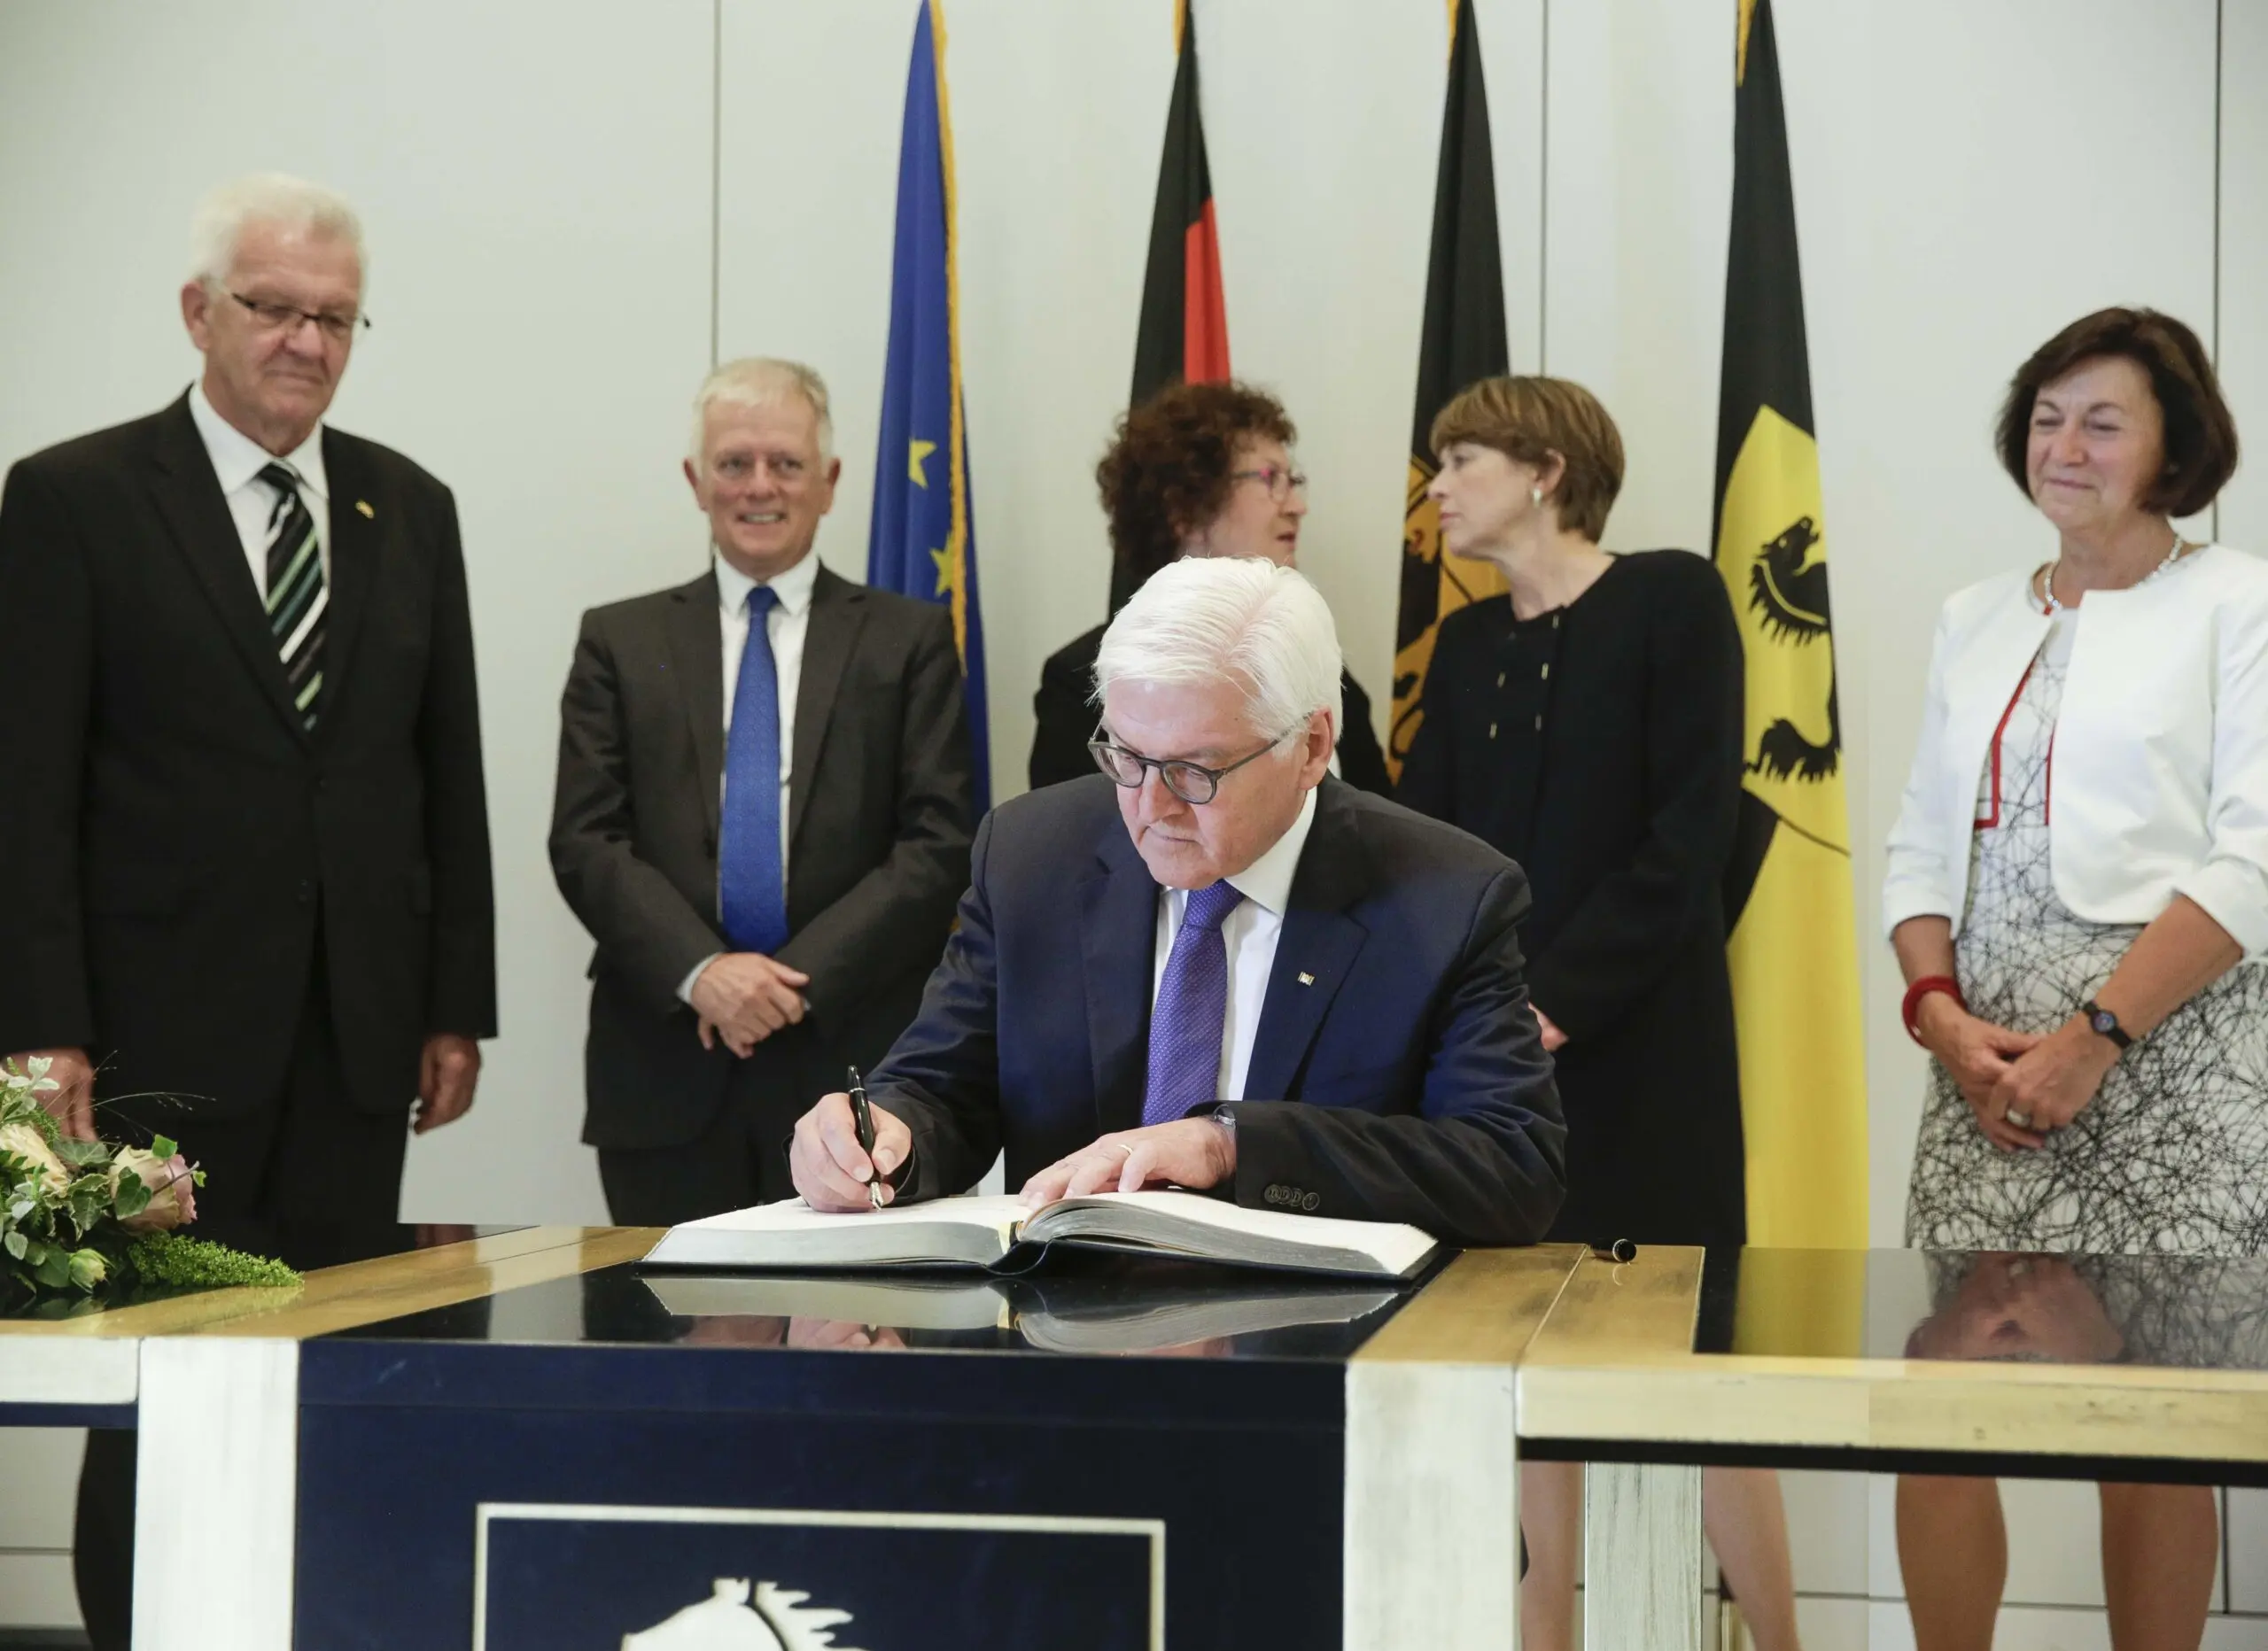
2174, 1311
1101, 1304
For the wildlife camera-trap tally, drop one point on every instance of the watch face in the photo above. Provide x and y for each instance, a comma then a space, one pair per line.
2102, 1021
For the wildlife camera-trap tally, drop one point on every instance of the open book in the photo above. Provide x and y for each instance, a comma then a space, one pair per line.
1000, 1235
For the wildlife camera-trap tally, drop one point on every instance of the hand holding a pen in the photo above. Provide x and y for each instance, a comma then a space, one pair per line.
831, 1170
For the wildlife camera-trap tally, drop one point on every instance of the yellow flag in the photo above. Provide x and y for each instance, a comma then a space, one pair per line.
1794, 937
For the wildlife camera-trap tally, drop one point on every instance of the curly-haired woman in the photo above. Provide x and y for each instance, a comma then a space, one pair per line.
1196, 471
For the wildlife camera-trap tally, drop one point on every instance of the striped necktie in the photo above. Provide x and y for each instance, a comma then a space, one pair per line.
297, 598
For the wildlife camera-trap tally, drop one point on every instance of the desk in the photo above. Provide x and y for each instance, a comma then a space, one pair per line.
522, 1441
2147, 1368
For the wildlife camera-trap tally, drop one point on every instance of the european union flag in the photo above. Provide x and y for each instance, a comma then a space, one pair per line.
923, 540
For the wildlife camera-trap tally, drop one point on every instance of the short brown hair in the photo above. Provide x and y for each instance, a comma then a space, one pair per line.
2200, 431
1532, 418
1169, 469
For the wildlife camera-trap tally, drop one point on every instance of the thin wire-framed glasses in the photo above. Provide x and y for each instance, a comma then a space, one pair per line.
273, 317
1280, 481
1192, 782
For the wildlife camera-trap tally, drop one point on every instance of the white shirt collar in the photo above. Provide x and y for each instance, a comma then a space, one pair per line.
236, 458
1267, 882
793, 587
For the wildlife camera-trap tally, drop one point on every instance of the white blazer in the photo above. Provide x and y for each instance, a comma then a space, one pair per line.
2160, 764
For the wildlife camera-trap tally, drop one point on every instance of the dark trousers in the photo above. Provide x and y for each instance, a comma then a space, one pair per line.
305, 1178
741, 1158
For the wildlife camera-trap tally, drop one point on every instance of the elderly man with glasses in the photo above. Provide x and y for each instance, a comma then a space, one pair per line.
244, 888
1216, 968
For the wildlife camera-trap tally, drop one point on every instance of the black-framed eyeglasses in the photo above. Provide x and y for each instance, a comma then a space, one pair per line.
1192, 782
273, 317
1280, 481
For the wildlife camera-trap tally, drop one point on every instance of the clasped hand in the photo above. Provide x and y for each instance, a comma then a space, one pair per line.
2045, 1080
744, 997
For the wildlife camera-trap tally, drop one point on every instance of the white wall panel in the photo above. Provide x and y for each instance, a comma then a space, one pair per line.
2244, 264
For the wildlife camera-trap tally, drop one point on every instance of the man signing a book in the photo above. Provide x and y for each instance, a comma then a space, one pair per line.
1214, 967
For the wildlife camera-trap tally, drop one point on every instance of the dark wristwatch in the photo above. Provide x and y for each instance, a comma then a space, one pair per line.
2102, 1020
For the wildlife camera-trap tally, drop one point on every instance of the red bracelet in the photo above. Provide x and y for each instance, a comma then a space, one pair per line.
1921, 989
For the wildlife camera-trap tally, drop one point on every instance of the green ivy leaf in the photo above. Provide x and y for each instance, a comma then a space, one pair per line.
133, 1197
16, 1244
83, 1154
162, 1147
54, 1268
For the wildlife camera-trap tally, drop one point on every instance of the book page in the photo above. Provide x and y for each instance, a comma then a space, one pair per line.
967, 1232
1270, 1235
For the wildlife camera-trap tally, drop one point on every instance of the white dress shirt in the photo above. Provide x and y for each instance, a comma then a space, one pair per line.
785, 625
1250, 933
238, 460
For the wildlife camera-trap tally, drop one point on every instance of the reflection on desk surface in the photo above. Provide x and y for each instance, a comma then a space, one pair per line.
1104, 1304
2181, 1312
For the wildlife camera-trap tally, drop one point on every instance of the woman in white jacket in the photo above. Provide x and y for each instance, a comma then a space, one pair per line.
2077, 893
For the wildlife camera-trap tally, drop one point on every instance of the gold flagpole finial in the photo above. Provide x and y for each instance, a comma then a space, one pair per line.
1180, 24
1740, 50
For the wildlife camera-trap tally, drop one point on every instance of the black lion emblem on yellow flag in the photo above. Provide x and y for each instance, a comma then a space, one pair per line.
1789, 593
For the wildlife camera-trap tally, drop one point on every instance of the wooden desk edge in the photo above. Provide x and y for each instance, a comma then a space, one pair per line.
1484, 1307
372, 1292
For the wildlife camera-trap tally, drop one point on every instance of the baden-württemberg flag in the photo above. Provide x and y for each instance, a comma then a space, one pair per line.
1464, 340
1794, 948
923, 540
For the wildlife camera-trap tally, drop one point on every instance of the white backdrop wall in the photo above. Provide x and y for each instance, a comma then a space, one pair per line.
572, 206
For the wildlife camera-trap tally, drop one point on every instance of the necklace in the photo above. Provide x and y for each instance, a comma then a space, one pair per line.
2051, 605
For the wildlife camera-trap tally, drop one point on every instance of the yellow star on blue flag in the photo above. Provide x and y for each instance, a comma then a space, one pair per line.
923, 540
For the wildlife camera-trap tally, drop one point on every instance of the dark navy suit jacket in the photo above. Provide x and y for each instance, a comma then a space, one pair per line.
1405, 1082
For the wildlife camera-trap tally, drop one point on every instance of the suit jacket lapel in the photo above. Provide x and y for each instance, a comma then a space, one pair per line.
838, 609
1314, 952
354, 542
698, 664
190, 501
1118, 915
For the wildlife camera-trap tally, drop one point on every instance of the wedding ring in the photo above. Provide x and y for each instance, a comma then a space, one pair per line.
2022, 1120
1122, 1147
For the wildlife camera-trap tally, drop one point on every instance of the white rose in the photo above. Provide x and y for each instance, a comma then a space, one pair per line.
27, 1143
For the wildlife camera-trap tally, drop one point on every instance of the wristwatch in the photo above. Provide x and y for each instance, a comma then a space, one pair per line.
2100, 1020
1227, 1120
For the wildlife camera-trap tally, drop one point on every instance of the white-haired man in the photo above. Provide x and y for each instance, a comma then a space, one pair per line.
1215, 967
763, 818
244, 844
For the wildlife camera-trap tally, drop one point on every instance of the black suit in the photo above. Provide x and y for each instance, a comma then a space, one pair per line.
260, 924
1600, 747
1064, 721
1397, 1073
879, 814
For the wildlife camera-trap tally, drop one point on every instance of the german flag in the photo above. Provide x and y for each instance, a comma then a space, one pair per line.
1185, 331
1464, 340
1794, 946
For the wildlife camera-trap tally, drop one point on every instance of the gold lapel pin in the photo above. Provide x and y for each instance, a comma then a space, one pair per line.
1307, 979
363, 505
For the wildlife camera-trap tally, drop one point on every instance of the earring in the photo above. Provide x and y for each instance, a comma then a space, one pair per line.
1536, 497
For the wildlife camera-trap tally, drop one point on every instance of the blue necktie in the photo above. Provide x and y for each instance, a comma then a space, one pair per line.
1192, 1007
752, 885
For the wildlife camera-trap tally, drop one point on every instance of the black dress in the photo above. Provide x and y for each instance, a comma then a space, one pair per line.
1600, 746
1067, 722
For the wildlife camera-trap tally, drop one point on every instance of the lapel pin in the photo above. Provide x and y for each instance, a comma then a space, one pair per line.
1306, 979
363, 505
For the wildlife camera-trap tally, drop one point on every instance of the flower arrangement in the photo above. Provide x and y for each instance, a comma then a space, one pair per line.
86, 1219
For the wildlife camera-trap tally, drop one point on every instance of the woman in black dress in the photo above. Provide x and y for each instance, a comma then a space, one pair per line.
1589, 724
1196, 471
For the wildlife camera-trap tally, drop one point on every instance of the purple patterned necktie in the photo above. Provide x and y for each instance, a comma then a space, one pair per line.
1193, 1005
